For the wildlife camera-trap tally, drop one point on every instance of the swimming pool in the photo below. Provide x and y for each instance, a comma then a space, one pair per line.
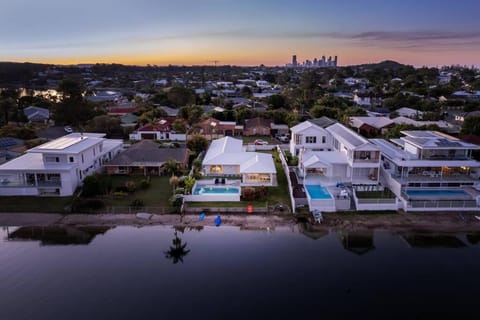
318, 192
440, 193
215, 190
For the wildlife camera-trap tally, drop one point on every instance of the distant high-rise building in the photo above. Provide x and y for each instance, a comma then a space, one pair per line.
315, 63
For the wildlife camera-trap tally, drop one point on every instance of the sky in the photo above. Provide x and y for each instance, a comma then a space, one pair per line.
247, 32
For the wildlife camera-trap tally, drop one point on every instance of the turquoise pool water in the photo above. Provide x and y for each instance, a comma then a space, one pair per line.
436, 193
318, 192
215, 190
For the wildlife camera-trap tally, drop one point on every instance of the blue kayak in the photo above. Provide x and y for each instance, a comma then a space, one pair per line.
202, 216
218, 221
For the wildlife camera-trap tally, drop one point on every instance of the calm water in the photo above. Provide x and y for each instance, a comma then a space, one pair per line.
123, 273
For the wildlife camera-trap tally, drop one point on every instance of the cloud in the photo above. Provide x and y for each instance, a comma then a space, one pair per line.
421, 40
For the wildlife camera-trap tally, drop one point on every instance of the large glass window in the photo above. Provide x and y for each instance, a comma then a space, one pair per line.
258, 178
311, 139
216, 169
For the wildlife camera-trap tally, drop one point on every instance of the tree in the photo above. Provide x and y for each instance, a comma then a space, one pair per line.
6, 106
96, 184
192, 113
471, 125
173, 181
179, 126
181, 96
276, 101
318, 111
172, 167
70, 89
189, 183
104, 123
197, 143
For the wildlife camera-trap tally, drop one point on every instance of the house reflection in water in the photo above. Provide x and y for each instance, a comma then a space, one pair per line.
358, 242
56, 235
432, 240
312, 231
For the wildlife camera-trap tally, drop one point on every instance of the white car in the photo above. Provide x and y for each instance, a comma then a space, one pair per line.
68, 129
260, 142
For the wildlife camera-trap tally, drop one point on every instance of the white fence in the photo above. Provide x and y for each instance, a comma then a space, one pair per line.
287, 174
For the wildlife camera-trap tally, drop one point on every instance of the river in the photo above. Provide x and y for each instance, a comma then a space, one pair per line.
159, 272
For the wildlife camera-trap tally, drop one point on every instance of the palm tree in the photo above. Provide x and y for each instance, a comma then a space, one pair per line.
172, 167
174, 180
177, 251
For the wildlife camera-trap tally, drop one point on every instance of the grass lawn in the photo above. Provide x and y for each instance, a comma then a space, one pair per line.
226, 204
34, 204
156, 195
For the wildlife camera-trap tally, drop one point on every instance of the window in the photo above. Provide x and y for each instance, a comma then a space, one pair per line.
311, 139
83, 159
52, 159
298, 138
71, 159
324, 139
216, 169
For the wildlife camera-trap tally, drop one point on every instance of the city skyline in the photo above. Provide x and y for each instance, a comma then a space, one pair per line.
187, 32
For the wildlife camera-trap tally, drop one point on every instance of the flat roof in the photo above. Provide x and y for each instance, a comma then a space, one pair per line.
33, 161
72, 143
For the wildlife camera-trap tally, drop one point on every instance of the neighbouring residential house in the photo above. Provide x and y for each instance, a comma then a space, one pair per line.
430, 171
104, 97
354, 81
257, 126
121, 110
171, 112
409, 113
160, 130
440, 123
58, 167
226, 158
279, 129
371, 125
128, 121
214, 127
146, 157
474, 95
366, 99
36, 114
460, 117
330, 153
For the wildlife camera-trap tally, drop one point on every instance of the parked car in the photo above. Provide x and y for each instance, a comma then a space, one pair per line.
260, 142
68, 129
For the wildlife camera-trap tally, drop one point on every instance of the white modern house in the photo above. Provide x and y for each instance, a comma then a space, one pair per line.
332, 156
430, 171
226, 158
58, 167
330, 152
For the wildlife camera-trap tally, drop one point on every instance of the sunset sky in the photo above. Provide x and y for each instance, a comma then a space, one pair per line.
247, 32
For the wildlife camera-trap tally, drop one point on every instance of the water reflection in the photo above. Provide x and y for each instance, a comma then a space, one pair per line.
312, 231
427, 240
57, 235
177, 250
358, 242
473, 238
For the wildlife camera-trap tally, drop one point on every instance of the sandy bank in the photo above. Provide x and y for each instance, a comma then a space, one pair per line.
440, 222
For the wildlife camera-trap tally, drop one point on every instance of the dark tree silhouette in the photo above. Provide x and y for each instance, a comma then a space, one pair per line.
177, 251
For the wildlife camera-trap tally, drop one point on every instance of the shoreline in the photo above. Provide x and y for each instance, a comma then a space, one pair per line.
425, 222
